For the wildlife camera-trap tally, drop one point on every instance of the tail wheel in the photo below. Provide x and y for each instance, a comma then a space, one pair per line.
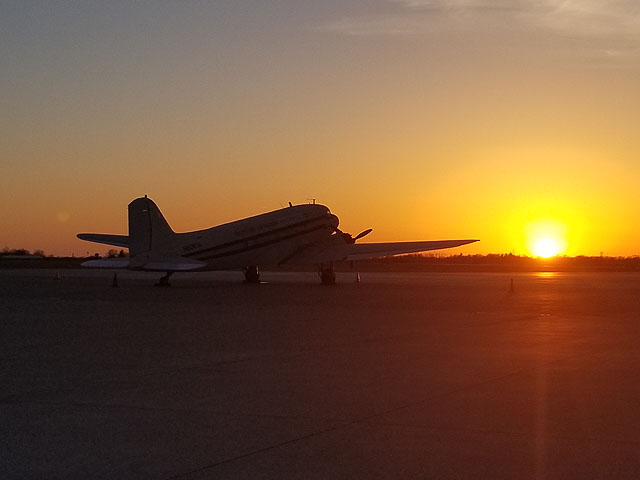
164, 280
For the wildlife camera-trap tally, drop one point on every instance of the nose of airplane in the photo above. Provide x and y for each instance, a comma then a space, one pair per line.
333, 220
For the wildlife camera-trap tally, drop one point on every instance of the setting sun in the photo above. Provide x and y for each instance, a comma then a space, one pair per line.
546, 247
546, 238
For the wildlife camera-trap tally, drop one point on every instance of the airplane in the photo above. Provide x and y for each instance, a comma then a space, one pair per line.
305, 234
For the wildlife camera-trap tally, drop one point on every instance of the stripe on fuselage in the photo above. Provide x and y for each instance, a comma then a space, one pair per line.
246, 240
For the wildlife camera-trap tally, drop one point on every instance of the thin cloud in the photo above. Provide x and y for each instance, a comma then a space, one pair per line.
581, 18
453, 5
593, 18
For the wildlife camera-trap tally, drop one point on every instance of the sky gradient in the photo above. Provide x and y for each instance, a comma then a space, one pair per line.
424, 119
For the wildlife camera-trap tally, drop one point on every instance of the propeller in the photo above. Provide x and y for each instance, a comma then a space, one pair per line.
363, 233
350, 239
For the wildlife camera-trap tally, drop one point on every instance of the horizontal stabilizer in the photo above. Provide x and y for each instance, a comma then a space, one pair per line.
116, 240
171, 264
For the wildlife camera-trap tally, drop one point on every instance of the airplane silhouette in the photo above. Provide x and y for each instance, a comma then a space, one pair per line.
294, 235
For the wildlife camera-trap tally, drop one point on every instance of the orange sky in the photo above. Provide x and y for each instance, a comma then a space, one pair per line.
423, 120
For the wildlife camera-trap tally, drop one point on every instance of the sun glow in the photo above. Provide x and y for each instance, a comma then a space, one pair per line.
547, 238
546, 247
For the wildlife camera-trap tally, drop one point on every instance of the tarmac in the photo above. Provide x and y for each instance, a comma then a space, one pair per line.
402, 375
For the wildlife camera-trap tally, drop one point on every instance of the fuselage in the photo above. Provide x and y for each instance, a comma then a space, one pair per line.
266, 239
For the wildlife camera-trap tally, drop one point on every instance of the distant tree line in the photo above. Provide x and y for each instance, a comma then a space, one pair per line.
437, 260
510, 260
113, 253
22, 251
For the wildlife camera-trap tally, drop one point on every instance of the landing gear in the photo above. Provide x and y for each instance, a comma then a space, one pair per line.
251, 274
164, 280
327, 275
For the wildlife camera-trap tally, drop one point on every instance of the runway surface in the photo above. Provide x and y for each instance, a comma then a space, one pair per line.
399, 376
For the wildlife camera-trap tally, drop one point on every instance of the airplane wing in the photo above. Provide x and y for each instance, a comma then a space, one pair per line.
116, 240
363, 251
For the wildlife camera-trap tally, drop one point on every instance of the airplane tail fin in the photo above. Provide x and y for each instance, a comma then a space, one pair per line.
148, 230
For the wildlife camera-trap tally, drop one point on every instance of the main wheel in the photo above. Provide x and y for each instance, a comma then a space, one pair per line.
327, 276
251, 274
